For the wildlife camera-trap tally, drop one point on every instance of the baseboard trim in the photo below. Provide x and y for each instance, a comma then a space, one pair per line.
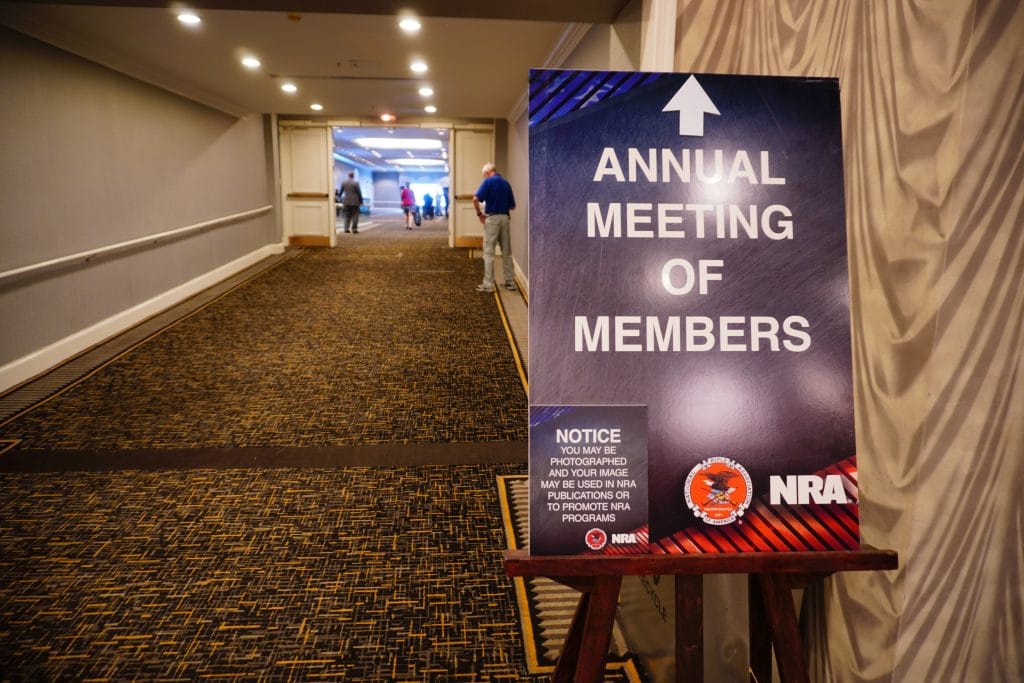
522, 282
29, 366
469, 242
309, 241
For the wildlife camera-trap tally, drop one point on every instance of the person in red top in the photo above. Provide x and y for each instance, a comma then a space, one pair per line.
408, 205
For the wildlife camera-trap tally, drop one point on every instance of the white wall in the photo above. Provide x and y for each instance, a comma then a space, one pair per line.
93, 158
518, 174
386, 190
609, 47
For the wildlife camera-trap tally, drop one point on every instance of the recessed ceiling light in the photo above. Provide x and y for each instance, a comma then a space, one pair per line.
289, 87
409, 25
387, 117
416, 162
430, 109
398, 143
426, 91
251, 62
189, 18
316, 106
419, 66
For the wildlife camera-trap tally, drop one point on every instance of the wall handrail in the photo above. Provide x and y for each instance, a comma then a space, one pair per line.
90, 254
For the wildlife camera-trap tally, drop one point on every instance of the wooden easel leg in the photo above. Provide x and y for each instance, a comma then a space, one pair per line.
760, 636
567, 658
778, 602
689, 628
586, 644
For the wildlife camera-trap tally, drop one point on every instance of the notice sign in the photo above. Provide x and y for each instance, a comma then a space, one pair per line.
688, 254
588, 480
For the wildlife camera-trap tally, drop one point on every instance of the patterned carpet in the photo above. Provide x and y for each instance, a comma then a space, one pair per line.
546, 607
356, 574
381, 340
306, 570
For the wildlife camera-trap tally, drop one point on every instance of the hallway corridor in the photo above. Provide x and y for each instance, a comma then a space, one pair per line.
296, 482
380, 340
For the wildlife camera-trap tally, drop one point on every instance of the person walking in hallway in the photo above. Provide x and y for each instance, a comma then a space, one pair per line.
408, 205
351, 201
495, 193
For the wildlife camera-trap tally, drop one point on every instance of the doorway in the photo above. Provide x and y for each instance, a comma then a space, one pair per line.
386, 158
441, 158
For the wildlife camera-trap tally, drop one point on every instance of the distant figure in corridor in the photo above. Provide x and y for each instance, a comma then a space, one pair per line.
351, 201
408, 205
428, 206
495, 193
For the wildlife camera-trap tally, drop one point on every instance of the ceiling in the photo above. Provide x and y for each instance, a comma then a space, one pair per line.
413, 150
587, 11
354, 64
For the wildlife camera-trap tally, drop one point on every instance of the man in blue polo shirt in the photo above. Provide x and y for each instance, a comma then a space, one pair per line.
495, 194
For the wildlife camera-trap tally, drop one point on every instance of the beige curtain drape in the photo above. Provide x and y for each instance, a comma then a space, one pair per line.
933, 121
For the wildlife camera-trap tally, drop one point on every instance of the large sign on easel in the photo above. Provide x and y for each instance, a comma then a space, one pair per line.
688, 254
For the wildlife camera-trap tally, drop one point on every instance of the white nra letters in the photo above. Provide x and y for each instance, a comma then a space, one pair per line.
802, 489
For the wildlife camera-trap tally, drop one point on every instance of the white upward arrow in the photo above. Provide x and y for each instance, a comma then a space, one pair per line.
692, 103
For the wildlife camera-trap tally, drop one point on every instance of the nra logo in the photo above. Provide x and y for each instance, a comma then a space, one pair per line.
623, 538
802, 489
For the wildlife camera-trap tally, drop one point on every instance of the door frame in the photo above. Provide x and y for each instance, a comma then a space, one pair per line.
463, 225
309, 201
451, 126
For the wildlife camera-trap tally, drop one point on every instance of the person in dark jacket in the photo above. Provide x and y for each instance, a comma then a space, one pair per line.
351, 200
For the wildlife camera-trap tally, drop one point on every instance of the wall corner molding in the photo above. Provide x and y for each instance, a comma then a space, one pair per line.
563, 48
658, 37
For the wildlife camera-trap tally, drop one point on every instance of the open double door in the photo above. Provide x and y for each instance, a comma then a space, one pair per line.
307, 181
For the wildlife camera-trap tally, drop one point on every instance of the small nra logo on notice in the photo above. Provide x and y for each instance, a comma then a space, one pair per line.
620, 539
803, 489
596, 539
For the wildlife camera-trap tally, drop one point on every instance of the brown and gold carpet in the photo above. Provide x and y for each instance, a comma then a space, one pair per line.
294, 482
347, 574
380, 340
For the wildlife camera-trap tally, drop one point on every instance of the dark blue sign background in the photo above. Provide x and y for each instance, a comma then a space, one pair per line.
775, 412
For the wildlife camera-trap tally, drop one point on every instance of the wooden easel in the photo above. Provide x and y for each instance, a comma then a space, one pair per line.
773, 620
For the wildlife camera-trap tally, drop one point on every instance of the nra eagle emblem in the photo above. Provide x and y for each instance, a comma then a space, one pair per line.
718, 491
